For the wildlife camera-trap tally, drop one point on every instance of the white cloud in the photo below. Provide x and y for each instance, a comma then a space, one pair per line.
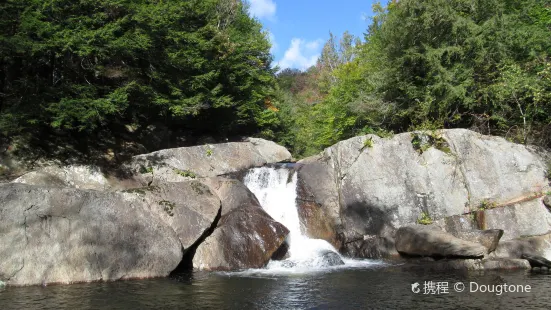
262, 8
301, 54
275, 46
314, 45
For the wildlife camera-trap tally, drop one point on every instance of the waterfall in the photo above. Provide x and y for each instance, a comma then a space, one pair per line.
276, 190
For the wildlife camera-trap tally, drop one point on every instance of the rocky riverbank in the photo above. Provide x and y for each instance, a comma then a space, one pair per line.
451, 199
454, 182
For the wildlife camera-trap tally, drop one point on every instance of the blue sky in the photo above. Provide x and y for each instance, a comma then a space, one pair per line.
299, 28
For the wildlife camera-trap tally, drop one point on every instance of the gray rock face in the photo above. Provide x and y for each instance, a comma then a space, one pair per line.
246, 237
173, 165
527, 218
232, 193
488, 238
65, 235
547, 201
426, 241
189, 208
370, 191
317, 184
533, 245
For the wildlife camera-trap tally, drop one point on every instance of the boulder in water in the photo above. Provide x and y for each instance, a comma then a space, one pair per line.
245, 238
67, 235
370, 190
427, 241
330, 258
537, 261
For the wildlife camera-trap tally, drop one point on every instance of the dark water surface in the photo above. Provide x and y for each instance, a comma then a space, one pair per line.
367, 288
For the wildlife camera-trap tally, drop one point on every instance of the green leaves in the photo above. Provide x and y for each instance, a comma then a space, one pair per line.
479, 64
86, 65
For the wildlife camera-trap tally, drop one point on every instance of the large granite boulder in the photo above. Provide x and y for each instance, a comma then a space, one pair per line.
429, 242
169, 165
231, 192
246, 237
372, 188
190, 208
173, 165
64, 235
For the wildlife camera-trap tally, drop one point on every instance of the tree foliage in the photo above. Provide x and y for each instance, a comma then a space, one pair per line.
87, 67
479, 64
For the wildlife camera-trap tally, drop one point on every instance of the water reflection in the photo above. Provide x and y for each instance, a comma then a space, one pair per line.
345, 289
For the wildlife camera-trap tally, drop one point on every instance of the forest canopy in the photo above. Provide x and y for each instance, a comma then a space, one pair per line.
424, 65
95, 75
102, 69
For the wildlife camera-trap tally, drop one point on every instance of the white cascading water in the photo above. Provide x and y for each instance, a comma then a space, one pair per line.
275, 189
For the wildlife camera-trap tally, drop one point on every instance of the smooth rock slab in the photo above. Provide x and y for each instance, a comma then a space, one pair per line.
425, 241
488, 238
66, 235
178, 164
232, 193
82, 177
189, 208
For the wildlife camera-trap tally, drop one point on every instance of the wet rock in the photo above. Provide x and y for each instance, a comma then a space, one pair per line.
245, 238
282, 252
537, 261
317, 199
426, 241
66, 235
330, 258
